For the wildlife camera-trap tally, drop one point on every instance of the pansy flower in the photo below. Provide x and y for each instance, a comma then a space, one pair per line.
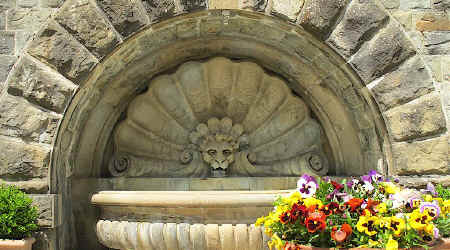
291, 246
307, 186
429, 190
397, 225
341, 234
432, 208
418, 220
315, 222
298, 212
367, 224
354, 204
337, 186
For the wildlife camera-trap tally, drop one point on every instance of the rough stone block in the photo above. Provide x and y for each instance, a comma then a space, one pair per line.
435, 64
361, 20
320, 16
27, 3
22, 38
88, 26
7, 4
433, 22
287, 8
2, 19
389, 48
423, 117
414, 4
441, 4
256, 5
422, 157
18, 118
6, 43
125, 15
54, 46
193, 5
45, 205
40, 85
407, 83
404, 17
30, 186
391, 4
159, 9
437, 43
51, 3
446, 68
6, 64
223, 4
27, 19
21, 161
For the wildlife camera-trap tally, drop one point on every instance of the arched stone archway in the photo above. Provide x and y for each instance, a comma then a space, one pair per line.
357, 72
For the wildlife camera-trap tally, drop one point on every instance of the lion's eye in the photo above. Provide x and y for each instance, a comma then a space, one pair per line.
227, 152
212, 152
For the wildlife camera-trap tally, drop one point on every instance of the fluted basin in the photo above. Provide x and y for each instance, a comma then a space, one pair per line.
182, 219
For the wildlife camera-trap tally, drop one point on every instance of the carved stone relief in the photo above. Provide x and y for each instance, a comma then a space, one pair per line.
218, 118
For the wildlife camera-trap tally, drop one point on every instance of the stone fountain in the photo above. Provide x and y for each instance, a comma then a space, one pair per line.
218, 140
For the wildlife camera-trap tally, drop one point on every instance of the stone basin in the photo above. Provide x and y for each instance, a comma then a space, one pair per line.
183, 219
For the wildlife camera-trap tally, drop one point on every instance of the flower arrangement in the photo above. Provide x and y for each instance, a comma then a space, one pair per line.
371, 212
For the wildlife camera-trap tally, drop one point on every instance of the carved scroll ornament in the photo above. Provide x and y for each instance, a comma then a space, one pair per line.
218, 118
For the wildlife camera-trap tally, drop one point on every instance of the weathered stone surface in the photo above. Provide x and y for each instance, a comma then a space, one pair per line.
441, 4
6, 64
437, 43
125, 15
256, 5
404, 17
361, 20
422, 157
407, 83
192, 5
390, 4
6, 43
51, 3
7, 4
20, 161
159, 9
2, 19
433, 22
435, 65
384, 52
40, 85
88, 26
18, 118
414, 4
420, 118
422, 181
55, 47
30, 186
319, 16
288, 8
27, 3
223, 4
22, 37
446, 68
45, 205
27, 19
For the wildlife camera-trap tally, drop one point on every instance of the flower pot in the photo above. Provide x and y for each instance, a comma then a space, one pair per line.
24, 244
440, 245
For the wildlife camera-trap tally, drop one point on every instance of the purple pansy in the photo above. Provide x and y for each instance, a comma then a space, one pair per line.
432, 207
307, 186
430, 189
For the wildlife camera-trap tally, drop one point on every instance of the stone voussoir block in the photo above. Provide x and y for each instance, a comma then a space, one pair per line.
6, 64
40, 85
159, 9
21, 161
422, 157
360, 21
256, 5
383, 53
423, 117
81, 19
7, 43
319, 16
29, 19
287, 8
125, 15
54, 46
18, 118
410, 81
193, 5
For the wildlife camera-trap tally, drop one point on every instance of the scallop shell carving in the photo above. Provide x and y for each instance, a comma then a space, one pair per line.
275, 125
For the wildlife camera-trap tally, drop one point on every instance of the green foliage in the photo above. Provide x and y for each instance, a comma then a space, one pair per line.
18, 216
443, 192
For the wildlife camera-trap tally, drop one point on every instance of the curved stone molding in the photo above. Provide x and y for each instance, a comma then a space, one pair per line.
183, 236
258, 113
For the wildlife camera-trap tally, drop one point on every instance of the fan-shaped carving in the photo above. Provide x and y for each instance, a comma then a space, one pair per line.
232, 105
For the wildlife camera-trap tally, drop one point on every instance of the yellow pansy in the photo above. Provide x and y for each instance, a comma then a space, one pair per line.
276, 242
312, 201
391, 244
367, 224
260, 221
428, 198
446, 207
397, 225
418, 220
429, 229
382, 208
390, 187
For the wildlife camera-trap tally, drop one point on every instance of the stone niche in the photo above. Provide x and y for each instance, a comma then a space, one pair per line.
217, 118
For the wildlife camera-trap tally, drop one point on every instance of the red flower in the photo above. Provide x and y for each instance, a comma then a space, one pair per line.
342, 234
291, 246
371, 204
315, 222
331, 208
354, 204
298, 212
337, 185
284, 217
